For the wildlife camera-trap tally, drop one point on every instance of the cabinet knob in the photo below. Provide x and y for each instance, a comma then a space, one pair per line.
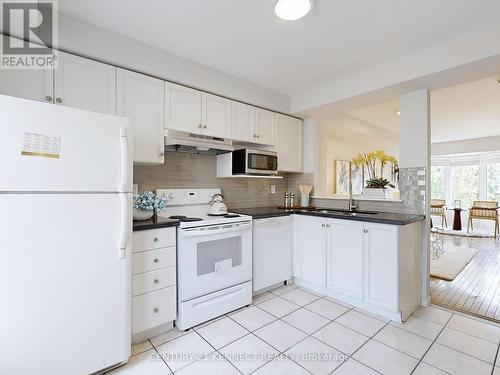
365, 230
323, 225
48, 98
156, 281
156, 309
204, 126
156, 260
155, 239
58, 100
199, 126
258, 136
328, 225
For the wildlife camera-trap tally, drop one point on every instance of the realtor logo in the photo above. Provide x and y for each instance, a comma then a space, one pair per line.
29, 34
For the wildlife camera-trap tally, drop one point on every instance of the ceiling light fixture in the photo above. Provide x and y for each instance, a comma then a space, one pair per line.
291, 10
398, 112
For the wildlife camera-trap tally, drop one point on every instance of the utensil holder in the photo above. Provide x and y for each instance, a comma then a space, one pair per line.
304, 200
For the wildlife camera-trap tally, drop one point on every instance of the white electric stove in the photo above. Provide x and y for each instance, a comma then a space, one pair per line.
214, 257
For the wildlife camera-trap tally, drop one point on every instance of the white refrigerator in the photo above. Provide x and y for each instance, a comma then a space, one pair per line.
65, 239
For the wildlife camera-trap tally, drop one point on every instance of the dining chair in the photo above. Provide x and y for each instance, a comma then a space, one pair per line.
484, 210
438, 208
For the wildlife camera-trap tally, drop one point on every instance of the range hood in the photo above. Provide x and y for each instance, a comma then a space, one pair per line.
195, 143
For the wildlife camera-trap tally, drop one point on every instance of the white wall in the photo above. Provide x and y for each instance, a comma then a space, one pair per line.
463, 58
465, 146
82, 38
415, 129
344, 137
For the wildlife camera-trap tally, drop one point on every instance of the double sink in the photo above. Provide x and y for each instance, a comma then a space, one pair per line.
342, 212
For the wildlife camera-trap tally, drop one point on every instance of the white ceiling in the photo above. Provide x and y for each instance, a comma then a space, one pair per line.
466, 111
244, 37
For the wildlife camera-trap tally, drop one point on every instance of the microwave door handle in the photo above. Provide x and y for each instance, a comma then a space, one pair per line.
209, 231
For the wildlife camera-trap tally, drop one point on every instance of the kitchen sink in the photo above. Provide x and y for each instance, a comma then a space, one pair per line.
346, 213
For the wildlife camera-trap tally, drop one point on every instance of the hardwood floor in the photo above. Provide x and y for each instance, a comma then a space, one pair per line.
476, 290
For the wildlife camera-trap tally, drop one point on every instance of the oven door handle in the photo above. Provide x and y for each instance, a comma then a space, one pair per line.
215, 230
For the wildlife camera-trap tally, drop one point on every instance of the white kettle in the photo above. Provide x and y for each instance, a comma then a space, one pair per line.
217, 206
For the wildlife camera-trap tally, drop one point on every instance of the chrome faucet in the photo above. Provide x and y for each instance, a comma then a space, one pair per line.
352, 207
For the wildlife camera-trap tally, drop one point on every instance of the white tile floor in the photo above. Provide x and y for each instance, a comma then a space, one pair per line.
292, 331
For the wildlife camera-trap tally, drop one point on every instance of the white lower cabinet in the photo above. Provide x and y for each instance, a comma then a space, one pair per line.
345, 257
381, 265
369, 265
154, 298
309, 263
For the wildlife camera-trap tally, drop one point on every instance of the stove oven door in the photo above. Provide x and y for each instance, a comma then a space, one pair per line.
213, 258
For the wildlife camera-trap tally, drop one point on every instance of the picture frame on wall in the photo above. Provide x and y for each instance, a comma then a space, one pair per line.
341, 177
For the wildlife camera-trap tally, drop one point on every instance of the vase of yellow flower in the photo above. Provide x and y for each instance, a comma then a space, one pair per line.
374, 163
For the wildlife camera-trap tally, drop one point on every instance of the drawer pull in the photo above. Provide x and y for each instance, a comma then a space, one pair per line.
155, 239
156, 309
156, 281
156, 260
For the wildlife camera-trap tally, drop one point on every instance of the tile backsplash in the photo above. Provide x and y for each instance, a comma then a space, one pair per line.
186, 171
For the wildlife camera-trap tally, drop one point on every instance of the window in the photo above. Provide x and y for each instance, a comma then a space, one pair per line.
493, 182
466, 178
465, 184
437, 183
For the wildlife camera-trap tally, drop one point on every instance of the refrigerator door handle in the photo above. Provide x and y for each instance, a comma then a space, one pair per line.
125, 223
125, 167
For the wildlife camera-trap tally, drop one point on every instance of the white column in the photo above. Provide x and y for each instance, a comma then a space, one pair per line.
415, 152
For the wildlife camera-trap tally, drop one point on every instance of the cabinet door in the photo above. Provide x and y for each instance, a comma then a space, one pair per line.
141, 98
33, 84
182, 108
265, 127
345, 257
243, 122
289, 143
310, 262
85, 84
381, 265
216, 116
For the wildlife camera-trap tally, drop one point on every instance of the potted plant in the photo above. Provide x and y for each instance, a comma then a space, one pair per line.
145, 205
374, 164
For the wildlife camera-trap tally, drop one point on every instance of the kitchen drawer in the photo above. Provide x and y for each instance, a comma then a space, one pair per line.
154, 239
153, 260
153, 309
154, 280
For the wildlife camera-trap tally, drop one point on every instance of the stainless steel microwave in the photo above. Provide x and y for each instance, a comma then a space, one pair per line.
250, 161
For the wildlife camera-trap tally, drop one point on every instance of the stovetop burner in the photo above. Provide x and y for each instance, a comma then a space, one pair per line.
185, 218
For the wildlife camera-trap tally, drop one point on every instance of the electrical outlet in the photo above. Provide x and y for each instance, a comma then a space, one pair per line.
273, 189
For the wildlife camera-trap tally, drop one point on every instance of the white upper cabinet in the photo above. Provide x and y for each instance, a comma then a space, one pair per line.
289, 143
215, 116
85, 84
34, 84
310, 251
142, 99
182, 108
243, 122
252, 125
345, 257
265, 127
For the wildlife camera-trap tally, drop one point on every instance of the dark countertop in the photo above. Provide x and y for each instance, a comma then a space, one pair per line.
154, 224
262, 212
378, 217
